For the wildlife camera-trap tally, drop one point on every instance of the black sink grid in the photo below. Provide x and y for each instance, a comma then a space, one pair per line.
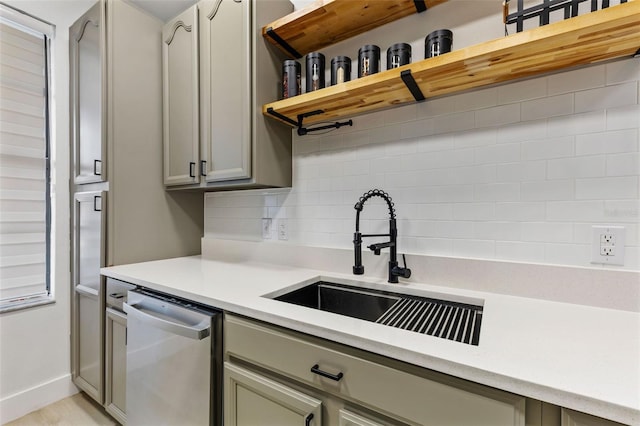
435, 317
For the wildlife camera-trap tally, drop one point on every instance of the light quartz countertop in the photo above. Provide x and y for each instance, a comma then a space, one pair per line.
575, 356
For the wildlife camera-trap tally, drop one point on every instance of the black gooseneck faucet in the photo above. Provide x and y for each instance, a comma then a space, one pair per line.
395, 271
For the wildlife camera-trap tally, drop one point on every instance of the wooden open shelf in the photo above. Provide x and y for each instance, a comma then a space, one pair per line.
326, 22
594, 37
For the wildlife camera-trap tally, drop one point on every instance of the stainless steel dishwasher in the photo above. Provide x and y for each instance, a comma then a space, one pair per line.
174, 361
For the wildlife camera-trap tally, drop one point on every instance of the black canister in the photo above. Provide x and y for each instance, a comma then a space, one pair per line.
340, 69
315, 71
398, 54
437, 43
291, 78
368, 60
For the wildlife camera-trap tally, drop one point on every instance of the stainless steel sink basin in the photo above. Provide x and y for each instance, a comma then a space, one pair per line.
353, 302
436, 317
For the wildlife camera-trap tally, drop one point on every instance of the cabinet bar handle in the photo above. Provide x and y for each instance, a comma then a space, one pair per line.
95, 167
307, 421
192, 167
95, 203
203, 168
316, 370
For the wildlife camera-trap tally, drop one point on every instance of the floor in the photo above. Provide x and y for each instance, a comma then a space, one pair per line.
76, 410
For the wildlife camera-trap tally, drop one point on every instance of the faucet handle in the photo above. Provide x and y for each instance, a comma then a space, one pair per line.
404, 271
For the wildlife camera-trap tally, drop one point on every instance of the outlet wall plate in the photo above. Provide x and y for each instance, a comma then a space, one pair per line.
608, 245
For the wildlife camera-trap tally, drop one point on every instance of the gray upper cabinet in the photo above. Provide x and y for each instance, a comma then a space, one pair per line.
180, 98
225, 47
87, 52
236, 72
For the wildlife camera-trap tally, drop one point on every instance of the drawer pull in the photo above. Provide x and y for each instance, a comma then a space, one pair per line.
316, 370
307, 420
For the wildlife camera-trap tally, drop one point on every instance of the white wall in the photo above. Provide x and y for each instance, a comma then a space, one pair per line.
34, 343
517, 172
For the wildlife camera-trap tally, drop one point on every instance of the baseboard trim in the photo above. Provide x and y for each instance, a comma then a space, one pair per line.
32, 399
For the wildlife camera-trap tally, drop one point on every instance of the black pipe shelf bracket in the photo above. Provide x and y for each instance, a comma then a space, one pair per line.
283, 43
305, 130
410, 82
421, 6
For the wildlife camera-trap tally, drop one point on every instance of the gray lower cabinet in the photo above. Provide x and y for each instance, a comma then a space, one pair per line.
87, 360
252, 399
218, 72
356, 387
116, 364
576, 418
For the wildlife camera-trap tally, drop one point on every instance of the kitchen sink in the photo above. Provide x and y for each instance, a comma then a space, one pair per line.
446, 319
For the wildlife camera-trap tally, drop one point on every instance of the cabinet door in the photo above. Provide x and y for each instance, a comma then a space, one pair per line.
180, 98
347, 418
116, 364
88, 95
575, 418
225, 52
89, 225
251, 399
88, 302
87, 341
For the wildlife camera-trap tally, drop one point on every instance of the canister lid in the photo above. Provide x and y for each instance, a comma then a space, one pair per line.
315, 55
369, 48
339, 59
440, 33
399, 46
290, 63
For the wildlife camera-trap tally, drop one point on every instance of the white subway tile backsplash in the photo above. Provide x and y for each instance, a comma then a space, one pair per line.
621, 211
476, 99
474, 211
502, 231
607, 97
622, 71
576, 124
548, 148
508, 172
547, 232
627, 117
623, 164
520, 251
575, 211
534, 88
503, 153
498, 116
475, 138
547, 107
455, 122
548, 190
609, 188
580, 79
576, 167
497, 192
522, 171
524, 131
484, 249
614, 141
520, 211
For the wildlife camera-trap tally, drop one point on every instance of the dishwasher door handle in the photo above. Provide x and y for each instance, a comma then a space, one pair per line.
199, 331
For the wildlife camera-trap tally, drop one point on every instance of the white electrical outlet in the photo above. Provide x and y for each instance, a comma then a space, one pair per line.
608, 245
266, 228
283, 232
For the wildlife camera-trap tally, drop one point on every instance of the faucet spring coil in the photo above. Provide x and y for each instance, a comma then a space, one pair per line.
377, 193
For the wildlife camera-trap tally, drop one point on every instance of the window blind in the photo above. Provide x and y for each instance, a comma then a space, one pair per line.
24, 159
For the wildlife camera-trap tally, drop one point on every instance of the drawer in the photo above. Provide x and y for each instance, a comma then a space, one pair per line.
423, 398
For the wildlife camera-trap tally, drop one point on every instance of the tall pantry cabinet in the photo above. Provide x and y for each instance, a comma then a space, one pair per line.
120, 210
